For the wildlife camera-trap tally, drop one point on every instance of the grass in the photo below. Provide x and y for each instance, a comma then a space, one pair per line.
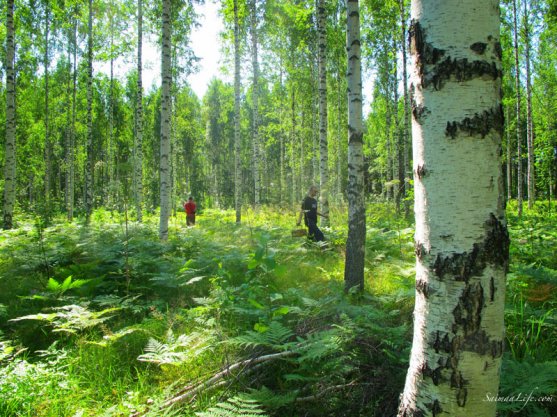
177, 311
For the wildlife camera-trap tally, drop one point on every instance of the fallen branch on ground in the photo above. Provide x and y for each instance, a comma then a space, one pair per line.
191, 390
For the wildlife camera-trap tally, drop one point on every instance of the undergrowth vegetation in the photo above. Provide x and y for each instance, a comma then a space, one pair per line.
226, 320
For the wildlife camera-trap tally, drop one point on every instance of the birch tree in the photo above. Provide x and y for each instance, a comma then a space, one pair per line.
355, 243
166, 74
47, 144
519, 181
10, 154
255, 104
138, 144
89, 146
461, 236
237, 156
322, 91
529, 117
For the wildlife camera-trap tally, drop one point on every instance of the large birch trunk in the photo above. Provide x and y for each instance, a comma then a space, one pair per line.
138, 148
166, 74
461, 236
323, 127
355, 243
89, 146
237, 156
10, 150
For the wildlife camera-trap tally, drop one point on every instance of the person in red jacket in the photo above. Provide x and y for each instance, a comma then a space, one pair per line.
190, 211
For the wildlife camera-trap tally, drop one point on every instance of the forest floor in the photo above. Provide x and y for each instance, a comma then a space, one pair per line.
236, 320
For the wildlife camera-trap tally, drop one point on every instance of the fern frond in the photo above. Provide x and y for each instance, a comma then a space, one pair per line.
274, 336
319, 345
178, 349
238, 406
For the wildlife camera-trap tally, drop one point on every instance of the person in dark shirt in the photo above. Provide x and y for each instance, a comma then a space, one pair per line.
310, 213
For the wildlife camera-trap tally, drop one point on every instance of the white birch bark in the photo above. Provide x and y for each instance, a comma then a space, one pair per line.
529, 116
519, 182
10, 144
138, 148
323, 126
406, 124
166, 74
47, 144
89, 146
255, 103
237, 156
461, 235
355, 243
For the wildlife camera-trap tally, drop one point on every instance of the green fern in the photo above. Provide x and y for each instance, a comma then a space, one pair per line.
178, 349
319, 345
536, 379
274, 336
71, 318
237, 406
68, 284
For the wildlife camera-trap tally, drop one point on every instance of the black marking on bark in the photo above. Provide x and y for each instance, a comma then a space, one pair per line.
421, 171
492, 289
494, 250
442, 344
468, 312
479, 47
480, 124
460, 70
423, 288
435, 408
419, 112
434, 374
480, 343
441, 67
425, 52
498, 50
459, 384
420, 250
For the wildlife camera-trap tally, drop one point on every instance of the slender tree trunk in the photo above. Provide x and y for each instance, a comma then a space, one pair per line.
509, 160
47, 144
529, 116
462, 244
519, 181
10, 144
406, 124
237, 156
323, 126
89, 147
112, 149
355, 243
340, 125
138, 149
255, 100
166, 114
72, 147
294, 188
